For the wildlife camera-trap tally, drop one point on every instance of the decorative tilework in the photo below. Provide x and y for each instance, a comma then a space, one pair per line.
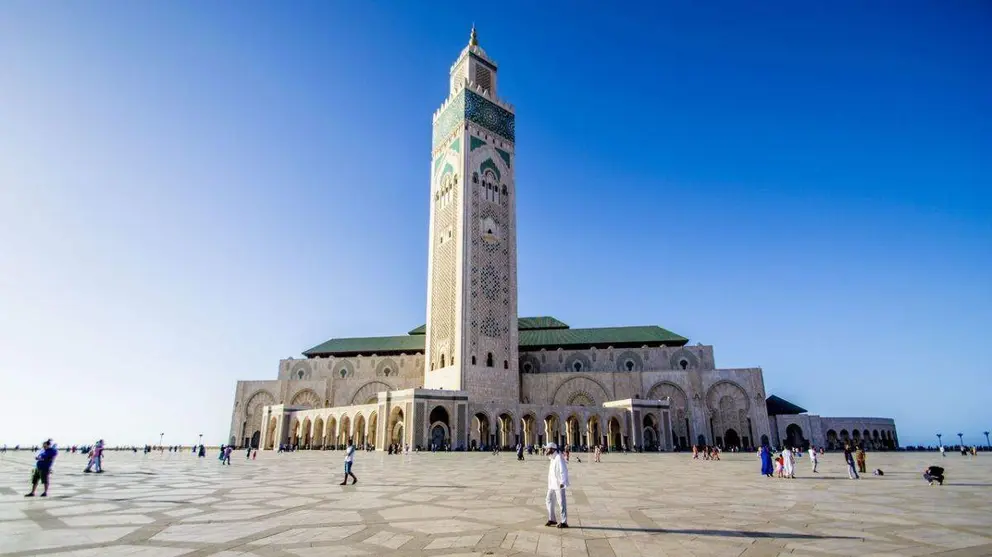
476, 143
490, 165
504, 155
467, 105
489, 115
456, 145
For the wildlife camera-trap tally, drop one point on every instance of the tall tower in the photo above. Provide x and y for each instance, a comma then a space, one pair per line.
472, 265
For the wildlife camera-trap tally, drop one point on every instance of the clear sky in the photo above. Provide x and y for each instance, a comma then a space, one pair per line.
191, 191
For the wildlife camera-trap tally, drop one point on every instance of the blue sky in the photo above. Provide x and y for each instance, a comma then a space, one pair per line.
191, 191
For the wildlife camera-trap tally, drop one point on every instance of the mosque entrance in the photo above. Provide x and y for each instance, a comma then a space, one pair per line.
731, 439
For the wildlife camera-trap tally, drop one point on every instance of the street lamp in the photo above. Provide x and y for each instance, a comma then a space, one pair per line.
201, 439
939, 444
160, 436
961, 439
987, 439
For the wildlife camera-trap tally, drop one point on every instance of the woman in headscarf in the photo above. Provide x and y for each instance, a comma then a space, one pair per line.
766, 461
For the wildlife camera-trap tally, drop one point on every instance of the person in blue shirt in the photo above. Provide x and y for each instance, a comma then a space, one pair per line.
43, 467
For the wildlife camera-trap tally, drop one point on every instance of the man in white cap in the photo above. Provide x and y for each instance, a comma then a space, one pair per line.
557, 482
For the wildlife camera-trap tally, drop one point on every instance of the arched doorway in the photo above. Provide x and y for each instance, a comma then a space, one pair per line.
307, 424
270, 435
794, 437
593, 430
506, 433
331, 435
731, 439
396, 430
294, 432
255, 438
650, 433
529, 427
439, 427
480, 431
373, 424
832, 441
572, 438
345, 433
616, 435
318, 433
551, 429
359, 435
764, 441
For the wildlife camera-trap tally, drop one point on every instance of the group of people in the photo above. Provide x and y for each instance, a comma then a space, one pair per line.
708, 452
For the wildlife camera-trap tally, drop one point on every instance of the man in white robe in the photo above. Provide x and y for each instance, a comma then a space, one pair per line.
789, 463
557, 482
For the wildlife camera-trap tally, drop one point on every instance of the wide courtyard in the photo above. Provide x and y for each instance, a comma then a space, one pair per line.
290, 505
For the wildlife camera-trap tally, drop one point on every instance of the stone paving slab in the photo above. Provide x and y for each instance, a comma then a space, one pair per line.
290, 505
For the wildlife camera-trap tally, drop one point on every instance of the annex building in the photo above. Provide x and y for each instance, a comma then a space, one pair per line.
476, 374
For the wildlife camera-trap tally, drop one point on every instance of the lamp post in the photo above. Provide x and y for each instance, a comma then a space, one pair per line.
987, 439
961, 440
160, 436
939, 444
201, 439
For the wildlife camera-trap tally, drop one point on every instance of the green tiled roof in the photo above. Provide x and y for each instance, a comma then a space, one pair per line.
535, 333
600, 337
780, 407
368, 345
525, 323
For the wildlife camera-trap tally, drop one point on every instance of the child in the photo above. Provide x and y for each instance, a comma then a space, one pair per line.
779, 464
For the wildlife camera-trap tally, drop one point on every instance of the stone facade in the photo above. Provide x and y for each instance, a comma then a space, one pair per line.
471, 380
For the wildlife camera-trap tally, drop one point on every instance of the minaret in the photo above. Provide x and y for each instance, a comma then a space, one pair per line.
472, 265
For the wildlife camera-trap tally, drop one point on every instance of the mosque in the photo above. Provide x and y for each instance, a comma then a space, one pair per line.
477, 375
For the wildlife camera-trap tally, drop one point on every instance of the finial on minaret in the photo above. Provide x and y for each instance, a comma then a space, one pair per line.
473, 40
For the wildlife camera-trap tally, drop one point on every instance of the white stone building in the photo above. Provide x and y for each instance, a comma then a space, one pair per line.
475, 374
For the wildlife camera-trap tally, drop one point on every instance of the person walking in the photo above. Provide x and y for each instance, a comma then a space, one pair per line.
598, 452
812, 458
849, 459
789, 463
766, 461
557, 482
95, 463
226, 453
520, 451
248, 454
349, 459
859, 457
43, 467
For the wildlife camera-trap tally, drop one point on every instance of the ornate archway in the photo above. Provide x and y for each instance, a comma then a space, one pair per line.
680, 413
728, 406
254, 409
583, 388
306, 398
369, 392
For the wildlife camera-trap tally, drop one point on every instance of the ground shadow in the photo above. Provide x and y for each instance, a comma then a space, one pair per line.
721, 533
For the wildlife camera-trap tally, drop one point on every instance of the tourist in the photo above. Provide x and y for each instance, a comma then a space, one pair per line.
596, 454
254, 454
695, 452
43, 467
715, 453
933, 474
349, 458
520, 451
849, 459
202, 452
942, 451
859, 457
778, 465
96, 458
812, 458
557, 482
789, 463
220, 457
248, 455
766, 461
568, 453
227, 455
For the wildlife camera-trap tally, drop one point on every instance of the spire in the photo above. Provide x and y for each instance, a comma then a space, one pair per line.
472, 39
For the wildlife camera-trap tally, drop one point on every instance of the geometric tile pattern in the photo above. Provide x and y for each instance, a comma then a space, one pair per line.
290, 505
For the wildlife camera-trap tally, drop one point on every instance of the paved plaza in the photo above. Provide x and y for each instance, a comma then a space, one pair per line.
290, 505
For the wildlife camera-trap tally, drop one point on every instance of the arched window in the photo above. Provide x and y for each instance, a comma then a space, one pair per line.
442, 360
300, 374
683, 363
506, 364
489, 360
475, 177
473, 360
528, 367
629, 364
577, 366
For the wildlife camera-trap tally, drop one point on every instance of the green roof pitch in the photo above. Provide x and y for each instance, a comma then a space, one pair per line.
601, 337
368, 345
780, 407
